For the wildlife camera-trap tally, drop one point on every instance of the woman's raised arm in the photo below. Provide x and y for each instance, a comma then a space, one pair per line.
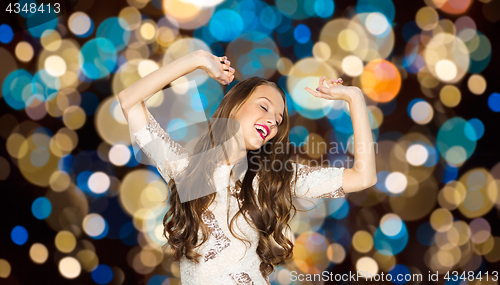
132, 98
363, 175
167, 155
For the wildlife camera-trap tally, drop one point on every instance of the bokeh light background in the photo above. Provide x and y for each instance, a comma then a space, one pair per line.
78, 208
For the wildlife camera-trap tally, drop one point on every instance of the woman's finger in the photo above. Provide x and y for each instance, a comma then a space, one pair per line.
335, 82
222, 77
321, 80
225, 78
315, 93
228, 69
226, 65
230, 79
310, 91
330, 83
323, 90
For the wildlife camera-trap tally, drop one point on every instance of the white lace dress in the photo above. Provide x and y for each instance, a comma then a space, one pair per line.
226, 259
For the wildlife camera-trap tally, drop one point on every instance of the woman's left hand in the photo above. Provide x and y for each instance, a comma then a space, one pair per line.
217, 67
334, 91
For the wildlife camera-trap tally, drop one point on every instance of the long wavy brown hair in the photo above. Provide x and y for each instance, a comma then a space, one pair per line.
272, 167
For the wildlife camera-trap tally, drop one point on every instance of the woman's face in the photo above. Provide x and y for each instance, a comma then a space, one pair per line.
264, 109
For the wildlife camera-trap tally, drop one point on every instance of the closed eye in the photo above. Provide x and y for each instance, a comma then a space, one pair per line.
277, 124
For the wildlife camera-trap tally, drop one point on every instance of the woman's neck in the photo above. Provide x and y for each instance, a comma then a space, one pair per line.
235, 151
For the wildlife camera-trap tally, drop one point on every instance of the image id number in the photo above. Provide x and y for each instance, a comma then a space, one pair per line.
470, 276
32, 8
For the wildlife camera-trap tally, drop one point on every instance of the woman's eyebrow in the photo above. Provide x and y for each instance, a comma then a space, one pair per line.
281, 114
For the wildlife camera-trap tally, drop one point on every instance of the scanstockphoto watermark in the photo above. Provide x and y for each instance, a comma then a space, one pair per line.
277, 165
320, 147
323, 160
354, 276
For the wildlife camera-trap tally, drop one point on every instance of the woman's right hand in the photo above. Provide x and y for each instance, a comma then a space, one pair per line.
335, 90
217, 67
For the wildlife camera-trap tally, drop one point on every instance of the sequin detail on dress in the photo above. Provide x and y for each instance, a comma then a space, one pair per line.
221, 240
334, 194
235, 191
305, 171
154, 127
318, 182
167, 155
241, 278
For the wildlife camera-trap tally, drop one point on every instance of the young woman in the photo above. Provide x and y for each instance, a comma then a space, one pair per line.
236, 232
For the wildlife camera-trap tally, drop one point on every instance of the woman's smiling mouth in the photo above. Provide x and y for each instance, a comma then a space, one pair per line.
262, 130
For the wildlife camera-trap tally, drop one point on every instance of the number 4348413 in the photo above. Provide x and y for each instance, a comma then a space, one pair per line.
470, 276
33, 8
